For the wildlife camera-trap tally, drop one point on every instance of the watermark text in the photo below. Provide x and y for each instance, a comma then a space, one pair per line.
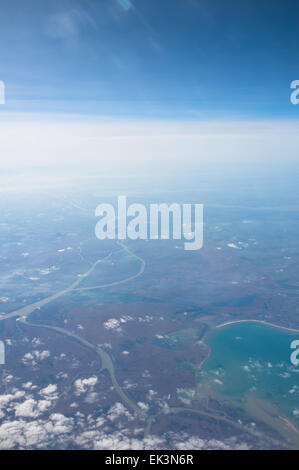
295, 354
159, 221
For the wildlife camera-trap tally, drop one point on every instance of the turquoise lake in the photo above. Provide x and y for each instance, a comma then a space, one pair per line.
253, 358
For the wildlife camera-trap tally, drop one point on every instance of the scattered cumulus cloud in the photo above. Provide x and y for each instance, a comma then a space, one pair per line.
84, 385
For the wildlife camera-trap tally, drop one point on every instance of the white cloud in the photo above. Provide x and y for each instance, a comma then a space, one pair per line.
27, 385
34, 356
91, 397
49, 392
84, 385
233, 245
35, 426
112, 324
23, 434
118, 410
31, 408
9, 397
143, 406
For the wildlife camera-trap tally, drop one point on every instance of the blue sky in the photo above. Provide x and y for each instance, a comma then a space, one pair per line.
163, 58
110, 82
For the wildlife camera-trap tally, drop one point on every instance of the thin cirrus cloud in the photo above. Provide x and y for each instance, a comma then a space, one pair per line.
125, 4
68, 23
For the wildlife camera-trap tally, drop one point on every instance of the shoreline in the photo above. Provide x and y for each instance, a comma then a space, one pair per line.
222, 325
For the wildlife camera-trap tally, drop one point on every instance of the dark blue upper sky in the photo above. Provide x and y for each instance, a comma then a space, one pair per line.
173, 58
